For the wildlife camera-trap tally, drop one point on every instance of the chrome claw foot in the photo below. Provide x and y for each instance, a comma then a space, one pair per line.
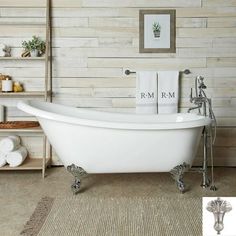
219, 207
181, 186
78, 173
177, 174
75, 187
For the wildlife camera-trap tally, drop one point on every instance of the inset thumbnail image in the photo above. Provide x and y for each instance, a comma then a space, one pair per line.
219, 216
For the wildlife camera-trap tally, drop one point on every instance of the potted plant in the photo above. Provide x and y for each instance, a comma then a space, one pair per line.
36, 46
156, 28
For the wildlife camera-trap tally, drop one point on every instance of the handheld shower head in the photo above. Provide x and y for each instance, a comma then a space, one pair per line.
200, 82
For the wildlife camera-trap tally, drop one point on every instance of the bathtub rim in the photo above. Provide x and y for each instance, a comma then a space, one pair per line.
27, 106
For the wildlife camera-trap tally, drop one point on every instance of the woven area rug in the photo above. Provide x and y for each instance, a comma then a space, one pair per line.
137, 216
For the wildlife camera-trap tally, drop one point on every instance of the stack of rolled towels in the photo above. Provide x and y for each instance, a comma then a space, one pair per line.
12, 152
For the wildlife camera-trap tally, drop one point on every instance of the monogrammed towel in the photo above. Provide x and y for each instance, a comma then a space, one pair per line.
168, 91
146, 92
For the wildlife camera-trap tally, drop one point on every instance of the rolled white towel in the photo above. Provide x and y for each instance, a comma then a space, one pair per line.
16, 157
9, 144
3, 161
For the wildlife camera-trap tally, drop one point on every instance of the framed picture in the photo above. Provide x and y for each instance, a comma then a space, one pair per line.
157, 31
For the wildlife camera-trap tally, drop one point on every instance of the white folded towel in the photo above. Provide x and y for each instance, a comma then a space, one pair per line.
168, 91
16, 157
9, 144
146, 92
3, 161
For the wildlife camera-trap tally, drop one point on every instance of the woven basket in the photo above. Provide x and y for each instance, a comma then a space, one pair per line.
18, 124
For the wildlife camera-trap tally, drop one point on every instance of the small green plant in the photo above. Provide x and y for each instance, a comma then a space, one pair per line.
36, 44
156, 27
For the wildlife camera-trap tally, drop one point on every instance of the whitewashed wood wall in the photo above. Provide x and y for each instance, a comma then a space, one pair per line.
95, 41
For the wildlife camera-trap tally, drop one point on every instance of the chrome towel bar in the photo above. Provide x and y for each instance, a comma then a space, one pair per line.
128, 72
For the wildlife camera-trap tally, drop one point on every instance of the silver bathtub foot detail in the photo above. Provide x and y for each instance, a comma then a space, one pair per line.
219, 207
177, 174
78, 173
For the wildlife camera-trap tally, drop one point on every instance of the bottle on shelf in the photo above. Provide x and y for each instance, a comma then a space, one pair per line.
7, 85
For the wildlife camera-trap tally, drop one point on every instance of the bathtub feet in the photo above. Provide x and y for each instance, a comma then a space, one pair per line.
78, 173
177, 174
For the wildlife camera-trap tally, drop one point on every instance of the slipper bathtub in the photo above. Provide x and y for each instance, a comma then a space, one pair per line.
105, 142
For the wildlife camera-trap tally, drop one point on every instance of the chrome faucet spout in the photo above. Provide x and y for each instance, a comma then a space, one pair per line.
193, 108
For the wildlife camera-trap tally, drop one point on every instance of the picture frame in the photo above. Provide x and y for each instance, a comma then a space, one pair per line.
157, 31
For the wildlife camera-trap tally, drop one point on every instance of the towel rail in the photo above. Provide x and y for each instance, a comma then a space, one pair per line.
128, 72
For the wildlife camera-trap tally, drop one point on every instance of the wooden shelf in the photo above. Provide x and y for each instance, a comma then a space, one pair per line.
25, 130
40, 24
42, 162
20, 94
28, 164
23, 58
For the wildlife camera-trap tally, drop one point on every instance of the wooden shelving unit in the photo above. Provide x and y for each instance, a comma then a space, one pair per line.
20, 94
23, 58
29, 164
25, 23
43, 162
26, 130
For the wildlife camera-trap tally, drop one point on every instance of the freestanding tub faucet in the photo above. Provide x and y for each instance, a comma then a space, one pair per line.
200, 99
204, 106
219, 207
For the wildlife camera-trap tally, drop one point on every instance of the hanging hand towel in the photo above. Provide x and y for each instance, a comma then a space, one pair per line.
9, 144
17, 157
3, 161
168, 92
146, 92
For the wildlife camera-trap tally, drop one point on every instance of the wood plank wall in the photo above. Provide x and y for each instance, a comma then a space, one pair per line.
95, 41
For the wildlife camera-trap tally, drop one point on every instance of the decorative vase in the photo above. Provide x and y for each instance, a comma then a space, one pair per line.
156, 34
34, 53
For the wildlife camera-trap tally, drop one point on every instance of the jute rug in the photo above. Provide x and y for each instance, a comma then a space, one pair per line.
133, 216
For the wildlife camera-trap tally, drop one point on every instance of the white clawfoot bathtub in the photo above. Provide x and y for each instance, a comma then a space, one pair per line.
104, 142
